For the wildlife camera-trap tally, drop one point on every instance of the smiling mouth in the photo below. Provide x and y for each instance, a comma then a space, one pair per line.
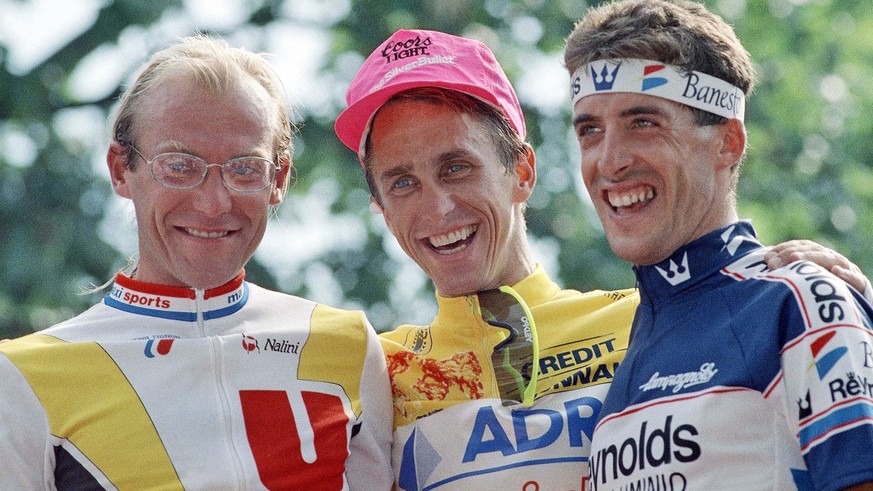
206, 235
453, 241
627, 199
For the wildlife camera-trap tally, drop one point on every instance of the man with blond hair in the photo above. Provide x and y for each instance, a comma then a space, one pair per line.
186, 376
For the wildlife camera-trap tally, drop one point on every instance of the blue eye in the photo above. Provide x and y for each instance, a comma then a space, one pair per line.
248, 168
178, 165
645, 123
402, 183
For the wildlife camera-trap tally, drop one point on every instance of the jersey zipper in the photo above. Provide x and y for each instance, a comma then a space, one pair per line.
487, 344
199, 300
217, 369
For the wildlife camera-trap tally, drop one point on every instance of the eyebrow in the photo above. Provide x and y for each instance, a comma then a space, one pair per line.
455, 155
393, 172
443, 158
175, 146
631, 111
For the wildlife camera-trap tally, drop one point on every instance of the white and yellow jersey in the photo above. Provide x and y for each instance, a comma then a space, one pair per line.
454, 430
169, 388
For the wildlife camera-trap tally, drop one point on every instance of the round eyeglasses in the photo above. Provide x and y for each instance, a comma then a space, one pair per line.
179, 170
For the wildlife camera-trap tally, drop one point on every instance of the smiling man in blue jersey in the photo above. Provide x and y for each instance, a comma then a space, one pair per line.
186, 376
501, 390
738, 376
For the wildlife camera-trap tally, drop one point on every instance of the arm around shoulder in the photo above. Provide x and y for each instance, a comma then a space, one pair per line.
797, 250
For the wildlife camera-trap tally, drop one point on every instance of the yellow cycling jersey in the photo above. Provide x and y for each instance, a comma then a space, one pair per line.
453, 427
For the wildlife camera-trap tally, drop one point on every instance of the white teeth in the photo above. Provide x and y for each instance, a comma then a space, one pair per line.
205, 235
450, 238
627, 199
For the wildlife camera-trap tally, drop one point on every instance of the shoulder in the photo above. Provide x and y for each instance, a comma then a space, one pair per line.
321, 313
82, 327
405, 335
323, 319
804, 279
258, 294
339, 318
820, 297
596, 300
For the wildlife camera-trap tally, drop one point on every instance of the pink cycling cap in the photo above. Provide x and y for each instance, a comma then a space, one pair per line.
416, 58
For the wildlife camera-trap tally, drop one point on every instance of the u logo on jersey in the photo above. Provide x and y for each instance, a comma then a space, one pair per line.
296, 447
156, 347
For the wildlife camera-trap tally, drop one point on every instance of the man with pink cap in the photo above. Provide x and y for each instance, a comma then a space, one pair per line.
502, 389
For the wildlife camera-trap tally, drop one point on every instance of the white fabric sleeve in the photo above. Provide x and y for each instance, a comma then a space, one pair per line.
26, 453
368, 466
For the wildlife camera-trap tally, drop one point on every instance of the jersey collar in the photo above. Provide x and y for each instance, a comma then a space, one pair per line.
184, 304
535, 289
696, 261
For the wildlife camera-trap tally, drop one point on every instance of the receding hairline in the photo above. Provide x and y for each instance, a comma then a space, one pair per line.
215, 65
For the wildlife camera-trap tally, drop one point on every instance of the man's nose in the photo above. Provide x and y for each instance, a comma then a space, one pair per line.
615, 154
436, 203
213, 197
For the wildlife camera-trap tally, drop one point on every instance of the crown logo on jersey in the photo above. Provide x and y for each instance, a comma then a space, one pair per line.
731, 244
606, 79
677, 272
804, 407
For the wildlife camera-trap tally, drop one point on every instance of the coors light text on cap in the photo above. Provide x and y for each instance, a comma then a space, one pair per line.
404, 49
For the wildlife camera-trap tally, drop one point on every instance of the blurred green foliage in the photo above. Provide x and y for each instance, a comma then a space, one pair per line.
807, 175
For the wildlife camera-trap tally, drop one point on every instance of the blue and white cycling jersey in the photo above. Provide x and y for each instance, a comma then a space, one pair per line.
739, 377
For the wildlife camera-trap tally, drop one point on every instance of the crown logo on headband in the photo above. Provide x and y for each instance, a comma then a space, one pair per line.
606, 79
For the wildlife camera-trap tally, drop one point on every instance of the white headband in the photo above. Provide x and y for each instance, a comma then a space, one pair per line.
694, 89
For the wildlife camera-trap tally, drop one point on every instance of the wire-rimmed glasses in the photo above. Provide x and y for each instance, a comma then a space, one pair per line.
180, 170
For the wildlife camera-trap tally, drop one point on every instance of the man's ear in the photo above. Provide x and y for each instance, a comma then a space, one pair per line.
388, 222
375, 207
283, 180
117, 160
526, 170
733, 142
